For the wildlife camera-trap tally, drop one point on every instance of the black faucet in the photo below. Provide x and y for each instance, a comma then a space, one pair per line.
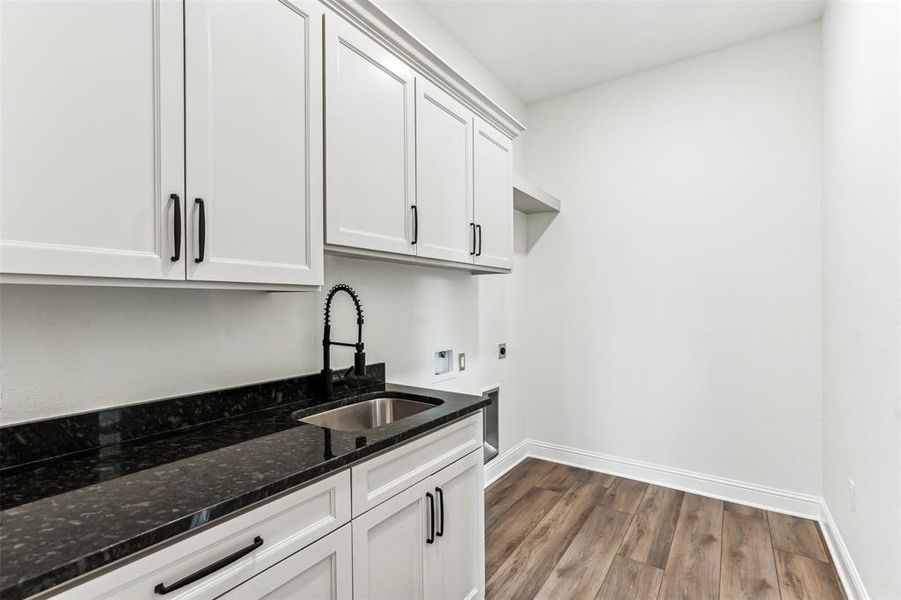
359, 367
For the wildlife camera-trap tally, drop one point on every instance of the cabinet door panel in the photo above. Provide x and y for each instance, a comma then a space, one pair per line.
390, 548
457, 570
443, 175
92, 138
493, 191
321, 571
254, 106
370, 142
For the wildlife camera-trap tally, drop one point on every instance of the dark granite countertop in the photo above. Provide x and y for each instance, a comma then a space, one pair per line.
69, 515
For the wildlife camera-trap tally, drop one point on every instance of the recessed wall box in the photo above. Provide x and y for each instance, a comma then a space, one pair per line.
444, 365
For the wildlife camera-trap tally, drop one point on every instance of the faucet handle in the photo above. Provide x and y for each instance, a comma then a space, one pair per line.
359, 363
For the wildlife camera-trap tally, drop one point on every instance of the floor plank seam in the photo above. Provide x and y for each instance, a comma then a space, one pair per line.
719, 591
670, 547
769, 532
619, 547
660, 589
617, 553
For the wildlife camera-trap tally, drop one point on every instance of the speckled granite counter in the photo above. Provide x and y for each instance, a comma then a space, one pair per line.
65, 516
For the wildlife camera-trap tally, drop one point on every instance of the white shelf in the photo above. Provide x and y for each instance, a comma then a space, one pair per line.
529, 198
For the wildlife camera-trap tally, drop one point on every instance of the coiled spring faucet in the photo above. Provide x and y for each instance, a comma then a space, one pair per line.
359, 367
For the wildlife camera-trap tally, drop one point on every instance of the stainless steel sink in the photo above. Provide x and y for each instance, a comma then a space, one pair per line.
367, 414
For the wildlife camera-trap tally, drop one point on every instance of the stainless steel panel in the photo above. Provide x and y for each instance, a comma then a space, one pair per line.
490, 424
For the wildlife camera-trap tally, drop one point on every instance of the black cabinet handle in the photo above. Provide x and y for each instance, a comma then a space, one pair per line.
479, 229
176, 227
209, 569
415, 210
201, 229
430, 539
440, 493
472, 227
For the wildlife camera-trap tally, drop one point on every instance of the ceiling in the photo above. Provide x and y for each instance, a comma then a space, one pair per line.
544, 48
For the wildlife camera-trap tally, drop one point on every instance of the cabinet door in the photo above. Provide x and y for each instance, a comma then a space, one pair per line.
369, 100
493, 190
254, 140
92, 138
443, 175
321, 571
456, 571
390, 547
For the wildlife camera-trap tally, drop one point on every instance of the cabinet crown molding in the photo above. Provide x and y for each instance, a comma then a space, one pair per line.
365, 15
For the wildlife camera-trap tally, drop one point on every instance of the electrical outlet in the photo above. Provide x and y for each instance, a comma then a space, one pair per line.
502, 351
852, 496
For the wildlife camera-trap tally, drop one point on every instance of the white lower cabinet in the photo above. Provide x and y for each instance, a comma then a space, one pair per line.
455, 569
420, 535
426, 542
321, 571
390, 546
381, 477
242, 547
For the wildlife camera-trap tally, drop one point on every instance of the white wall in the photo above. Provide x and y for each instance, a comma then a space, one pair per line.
675, 316
70, 349
861, 337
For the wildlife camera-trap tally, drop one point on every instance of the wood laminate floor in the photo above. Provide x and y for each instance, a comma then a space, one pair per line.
555, 531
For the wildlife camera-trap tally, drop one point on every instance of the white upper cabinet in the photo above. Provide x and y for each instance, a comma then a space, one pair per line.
91, 150
443, 175
254, 140
369, 112
410, 169
493, 195
225, 144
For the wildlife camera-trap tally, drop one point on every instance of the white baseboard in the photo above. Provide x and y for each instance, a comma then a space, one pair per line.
506, 461
783, 501
767, 498
847, 571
